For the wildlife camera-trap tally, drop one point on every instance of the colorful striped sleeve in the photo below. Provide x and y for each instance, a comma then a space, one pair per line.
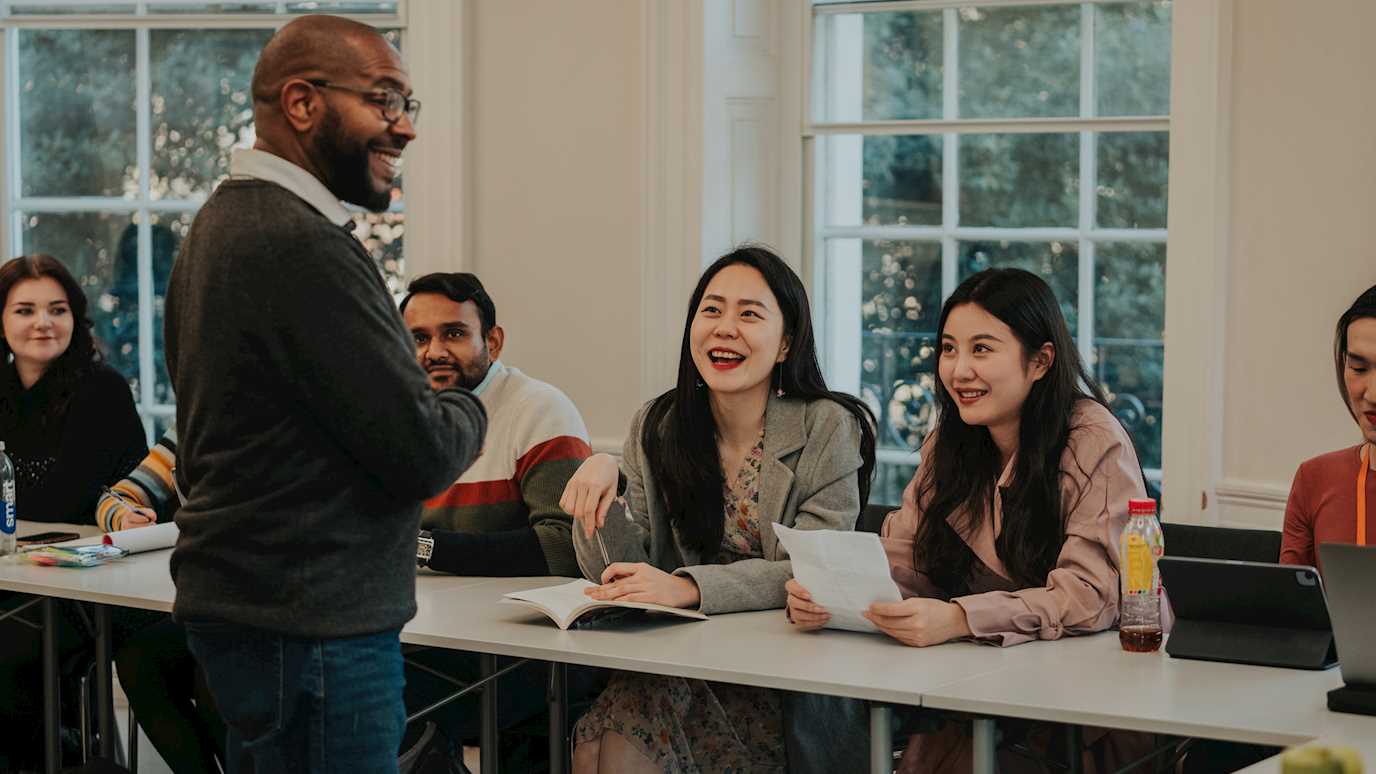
147, 486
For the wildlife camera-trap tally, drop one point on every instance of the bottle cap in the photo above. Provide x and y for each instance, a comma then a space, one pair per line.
1142, 507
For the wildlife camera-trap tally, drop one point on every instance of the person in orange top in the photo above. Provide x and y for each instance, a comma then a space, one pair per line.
1331, 494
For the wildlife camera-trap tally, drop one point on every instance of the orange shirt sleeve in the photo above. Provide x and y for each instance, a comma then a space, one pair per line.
1297, 538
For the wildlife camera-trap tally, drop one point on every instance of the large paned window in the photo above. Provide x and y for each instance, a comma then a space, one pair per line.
949, 137
120, 120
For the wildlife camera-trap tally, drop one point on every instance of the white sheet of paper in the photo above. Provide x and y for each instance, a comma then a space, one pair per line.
844, 571
151, 538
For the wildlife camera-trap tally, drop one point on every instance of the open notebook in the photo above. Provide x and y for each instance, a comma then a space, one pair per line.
566, 603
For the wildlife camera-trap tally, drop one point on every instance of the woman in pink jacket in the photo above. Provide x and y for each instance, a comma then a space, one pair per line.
1007, 530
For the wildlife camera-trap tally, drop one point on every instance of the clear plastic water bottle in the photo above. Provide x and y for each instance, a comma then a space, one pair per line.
7, 516
1139, 548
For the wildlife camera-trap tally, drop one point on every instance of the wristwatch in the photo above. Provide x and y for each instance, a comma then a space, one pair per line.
425, 546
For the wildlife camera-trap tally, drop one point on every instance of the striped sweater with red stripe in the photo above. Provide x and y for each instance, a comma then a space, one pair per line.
502, 517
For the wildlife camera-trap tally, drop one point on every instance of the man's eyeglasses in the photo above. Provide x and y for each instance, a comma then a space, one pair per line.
392, 102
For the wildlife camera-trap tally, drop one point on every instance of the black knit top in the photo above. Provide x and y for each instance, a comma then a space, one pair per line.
63, 455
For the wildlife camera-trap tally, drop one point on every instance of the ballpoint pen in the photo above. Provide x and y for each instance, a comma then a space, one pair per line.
625, 510
605, 559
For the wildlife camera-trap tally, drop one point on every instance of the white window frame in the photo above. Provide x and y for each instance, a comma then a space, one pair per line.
839, 323
142, 20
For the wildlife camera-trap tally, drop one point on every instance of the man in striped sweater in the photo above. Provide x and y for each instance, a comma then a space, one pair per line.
502, 516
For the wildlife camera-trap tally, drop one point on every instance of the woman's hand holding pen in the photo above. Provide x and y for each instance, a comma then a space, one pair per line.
590, 492
138, 516
135, 514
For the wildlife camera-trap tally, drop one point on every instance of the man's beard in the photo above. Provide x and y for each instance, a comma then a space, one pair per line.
470, 375
345, 161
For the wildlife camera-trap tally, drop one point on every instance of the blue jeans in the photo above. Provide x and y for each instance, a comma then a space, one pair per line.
302, 705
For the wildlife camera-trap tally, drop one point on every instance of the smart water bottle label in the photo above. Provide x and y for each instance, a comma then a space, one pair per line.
8, 524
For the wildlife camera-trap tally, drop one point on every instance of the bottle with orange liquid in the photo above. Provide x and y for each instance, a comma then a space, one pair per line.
1141, 545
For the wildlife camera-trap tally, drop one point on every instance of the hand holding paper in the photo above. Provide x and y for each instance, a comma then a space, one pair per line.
845, 572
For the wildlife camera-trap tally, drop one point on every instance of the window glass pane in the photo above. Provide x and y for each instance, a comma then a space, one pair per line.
381, 234
201, 105
1132, 58
262, 6
160, 424
883, 180
1129, 321
1056, 262
900, 304
393, 36
1019, 62
1019, 180
205, 7
101, 252
60, 9
76, 98
1133, 176
343, 6
879, 66
890, 478
167, 231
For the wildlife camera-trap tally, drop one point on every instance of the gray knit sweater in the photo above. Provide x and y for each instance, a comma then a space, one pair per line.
309, 436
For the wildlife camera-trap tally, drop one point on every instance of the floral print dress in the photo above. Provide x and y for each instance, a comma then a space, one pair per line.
691, 726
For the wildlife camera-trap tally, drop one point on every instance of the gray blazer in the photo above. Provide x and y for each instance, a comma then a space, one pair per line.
809, 479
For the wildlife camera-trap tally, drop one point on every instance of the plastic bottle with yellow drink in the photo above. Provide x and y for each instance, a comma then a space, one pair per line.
1139, 548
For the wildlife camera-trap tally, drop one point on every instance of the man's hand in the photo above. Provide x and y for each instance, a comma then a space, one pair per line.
641, 582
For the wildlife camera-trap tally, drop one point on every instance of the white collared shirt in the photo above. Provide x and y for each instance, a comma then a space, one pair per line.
492, 370
261, 165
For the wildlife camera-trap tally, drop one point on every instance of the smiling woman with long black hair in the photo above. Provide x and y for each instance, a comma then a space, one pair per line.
1008, 530
749, 436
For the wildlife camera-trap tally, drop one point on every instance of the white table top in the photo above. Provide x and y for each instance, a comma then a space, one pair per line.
1092, 681
1083, 680
1355, 731
759, 648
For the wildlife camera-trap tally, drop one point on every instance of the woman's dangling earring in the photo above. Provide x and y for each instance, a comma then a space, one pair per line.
700, 383
779, 392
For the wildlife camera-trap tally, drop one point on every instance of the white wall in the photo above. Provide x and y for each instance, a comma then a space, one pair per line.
555, 121
1303, 231
1297, 236
585, 163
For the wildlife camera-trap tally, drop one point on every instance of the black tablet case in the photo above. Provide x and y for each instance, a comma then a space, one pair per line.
1248, 613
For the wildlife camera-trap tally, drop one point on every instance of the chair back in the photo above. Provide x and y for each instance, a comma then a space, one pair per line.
1199, 542
872, 518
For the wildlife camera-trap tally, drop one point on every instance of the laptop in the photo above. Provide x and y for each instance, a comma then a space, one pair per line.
1351, 574
1248, 613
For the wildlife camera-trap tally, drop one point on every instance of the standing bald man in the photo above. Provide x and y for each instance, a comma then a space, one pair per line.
309, 436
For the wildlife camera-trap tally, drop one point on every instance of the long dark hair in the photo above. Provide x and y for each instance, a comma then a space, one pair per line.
66, 371
679, 435
962, 467
1362, 308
